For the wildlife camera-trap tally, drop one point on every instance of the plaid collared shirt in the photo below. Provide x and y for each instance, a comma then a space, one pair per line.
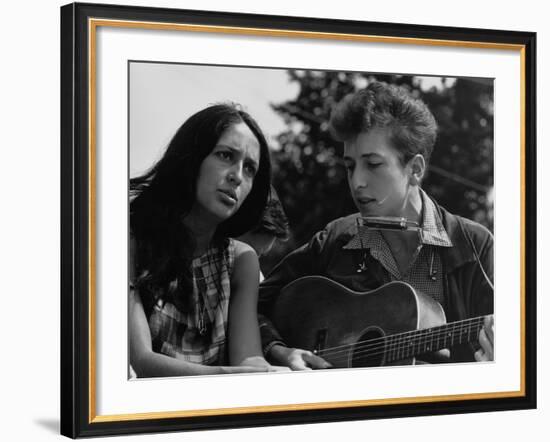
425, 270
198, 334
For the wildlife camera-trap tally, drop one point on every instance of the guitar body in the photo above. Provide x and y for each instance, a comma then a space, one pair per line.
316, 313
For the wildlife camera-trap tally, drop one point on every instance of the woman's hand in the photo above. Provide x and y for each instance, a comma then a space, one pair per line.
236, 369
486, 340
261, 364
297, 359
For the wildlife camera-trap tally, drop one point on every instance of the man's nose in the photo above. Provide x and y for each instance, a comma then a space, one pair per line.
358, 179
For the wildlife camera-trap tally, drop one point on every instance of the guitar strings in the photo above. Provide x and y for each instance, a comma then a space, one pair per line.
393, 352
399, 339
401, 353
400, 343
445, 327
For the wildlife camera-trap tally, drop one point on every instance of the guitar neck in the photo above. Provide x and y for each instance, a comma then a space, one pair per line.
417, 342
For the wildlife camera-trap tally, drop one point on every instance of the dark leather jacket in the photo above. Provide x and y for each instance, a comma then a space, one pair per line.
467, 293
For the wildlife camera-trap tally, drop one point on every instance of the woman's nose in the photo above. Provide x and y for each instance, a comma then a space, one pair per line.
235, 174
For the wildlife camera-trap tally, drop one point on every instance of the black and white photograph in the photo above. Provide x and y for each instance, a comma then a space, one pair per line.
278, 221
295, 219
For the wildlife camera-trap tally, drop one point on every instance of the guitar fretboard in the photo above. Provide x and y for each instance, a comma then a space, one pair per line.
417, 342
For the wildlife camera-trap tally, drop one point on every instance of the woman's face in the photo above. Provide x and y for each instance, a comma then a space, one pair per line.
226, 175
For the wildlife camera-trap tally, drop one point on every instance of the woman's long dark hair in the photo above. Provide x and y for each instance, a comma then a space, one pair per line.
164, 195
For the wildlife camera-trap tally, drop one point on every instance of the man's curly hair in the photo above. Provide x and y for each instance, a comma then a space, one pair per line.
411, 125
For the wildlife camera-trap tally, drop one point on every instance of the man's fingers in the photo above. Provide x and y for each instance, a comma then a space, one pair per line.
298, 359
299, 365
315, 361
479, 355
486, 345
488, 326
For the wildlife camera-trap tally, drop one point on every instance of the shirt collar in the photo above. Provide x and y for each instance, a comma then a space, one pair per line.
432, 230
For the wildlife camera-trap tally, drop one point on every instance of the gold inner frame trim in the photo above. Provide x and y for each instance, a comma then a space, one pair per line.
297, 407
262, 32
93, 24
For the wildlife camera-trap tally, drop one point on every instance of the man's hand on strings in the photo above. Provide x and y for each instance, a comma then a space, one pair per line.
486, 340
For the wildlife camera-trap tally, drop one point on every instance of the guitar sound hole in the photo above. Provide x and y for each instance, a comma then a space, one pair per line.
369, 350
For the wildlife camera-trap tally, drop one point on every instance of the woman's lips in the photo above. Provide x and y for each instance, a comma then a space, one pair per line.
228, 196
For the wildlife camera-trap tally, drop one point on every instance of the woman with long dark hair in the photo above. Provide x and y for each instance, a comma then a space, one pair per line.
193, 290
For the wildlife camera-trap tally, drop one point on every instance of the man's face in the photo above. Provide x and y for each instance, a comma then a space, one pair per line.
379, 183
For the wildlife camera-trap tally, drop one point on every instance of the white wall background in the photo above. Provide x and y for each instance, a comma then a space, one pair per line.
29, 221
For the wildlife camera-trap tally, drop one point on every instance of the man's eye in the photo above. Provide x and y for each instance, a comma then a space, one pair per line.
374, 165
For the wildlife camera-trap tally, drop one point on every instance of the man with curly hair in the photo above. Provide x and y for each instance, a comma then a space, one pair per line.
388, 138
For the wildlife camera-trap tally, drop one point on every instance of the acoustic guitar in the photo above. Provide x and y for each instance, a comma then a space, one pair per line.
391, 325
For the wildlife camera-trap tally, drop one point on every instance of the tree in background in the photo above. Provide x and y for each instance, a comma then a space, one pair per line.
307, 166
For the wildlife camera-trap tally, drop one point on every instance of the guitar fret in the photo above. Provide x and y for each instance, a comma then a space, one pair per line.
396, 348
453, 338
399, 347
410, 344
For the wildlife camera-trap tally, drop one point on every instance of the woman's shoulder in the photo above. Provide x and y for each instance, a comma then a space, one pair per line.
245, 262
240, 247
243, 253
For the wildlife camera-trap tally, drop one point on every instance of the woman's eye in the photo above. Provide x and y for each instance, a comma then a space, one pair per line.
224, 155
374, 165
250, 170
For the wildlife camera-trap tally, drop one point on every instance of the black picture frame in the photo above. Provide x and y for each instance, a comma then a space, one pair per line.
77, 253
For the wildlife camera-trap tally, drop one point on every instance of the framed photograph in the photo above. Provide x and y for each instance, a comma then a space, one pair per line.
184, 133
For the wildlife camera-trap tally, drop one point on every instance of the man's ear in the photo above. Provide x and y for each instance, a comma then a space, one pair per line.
417, 166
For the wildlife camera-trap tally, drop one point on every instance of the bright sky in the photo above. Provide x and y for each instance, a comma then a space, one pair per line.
163, 96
